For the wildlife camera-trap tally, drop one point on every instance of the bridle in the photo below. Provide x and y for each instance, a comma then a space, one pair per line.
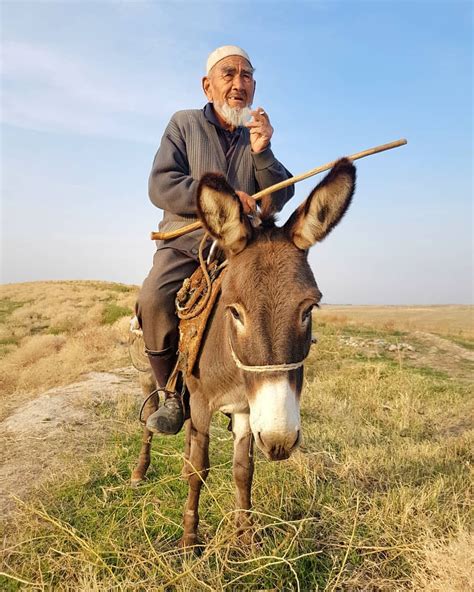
267, 367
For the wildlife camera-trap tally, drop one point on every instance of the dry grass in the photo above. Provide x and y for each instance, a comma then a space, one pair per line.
448, 567
378, 498
52, 332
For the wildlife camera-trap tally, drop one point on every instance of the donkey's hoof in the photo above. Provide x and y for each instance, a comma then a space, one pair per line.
136, 479
190, 545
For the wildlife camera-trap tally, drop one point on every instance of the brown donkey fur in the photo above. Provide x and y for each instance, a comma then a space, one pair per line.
260, 325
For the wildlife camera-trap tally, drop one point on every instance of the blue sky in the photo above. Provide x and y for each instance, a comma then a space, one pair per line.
88, 88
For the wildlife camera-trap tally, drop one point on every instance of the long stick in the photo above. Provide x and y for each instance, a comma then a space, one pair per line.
282, 185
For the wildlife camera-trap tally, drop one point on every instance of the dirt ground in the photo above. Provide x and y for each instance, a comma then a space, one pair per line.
52, 433
442, 354
45, 436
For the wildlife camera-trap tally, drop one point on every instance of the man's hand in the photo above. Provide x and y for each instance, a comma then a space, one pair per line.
260, 130
248, 202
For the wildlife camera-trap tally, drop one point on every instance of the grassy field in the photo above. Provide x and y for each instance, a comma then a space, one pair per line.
454, 322
378, 497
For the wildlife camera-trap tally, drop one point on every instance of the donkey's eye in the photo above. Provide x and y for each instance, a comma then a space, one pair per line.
235, 313
307, 313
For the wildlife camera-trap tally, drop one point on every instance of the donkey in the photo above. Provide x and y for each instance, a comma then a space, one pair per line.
259, 334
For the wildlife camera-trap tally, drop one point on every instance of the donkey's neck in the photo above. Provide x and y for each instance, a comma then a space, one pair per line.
218, 379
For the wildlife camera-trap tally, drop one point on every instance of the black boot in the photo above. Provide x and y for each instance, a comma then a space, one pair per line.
169, 418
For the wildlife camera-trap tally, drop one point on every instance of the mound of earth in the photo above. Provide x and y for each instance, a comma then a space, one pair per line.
60, 428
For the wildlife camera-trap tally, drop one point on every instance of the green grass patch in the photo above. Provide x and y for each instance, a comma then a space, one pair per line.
113, 287
7, 344
7, 306
12, 340
112, 312
65, 327
368, 332
462, 341
432, 372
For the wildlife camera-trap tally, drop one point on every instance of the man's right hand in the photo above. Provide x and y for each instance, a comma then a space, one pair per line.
247, 201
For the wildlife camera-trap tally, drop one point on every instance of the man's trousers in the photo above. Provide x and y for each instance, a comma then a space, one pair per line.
173, 261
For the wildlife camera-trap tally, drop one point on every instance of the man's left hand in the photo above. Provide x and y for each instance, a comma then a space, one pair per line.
247, 201
261, 130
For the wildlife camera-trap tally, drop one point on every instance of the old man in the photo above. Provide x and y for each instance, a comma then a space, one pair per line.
225, 136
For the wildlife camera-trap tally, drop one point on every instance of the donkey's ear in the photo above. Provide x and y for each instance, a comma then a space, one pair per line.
222, 214
314, 219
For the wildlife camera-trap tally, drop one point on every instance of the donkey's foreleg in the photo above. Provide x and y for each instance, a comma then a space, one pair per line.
187, 449
196, 469
148, 386
243, 470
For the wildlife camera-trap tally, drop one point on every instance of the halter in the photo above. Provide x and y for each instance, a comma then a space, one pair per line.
268, 367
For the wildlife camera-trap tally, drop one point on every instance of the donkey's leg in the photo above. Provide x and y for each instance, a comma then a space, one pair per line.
243, 470
196, 469
187, 448
148, 386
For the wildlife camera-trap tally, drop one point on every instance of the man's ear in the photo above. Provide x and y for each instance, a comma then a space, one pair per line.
222, 213
314, 219
206, 87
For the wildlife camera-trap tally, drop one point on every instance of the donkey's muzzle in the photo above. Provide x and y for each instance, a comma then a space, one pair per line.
276, 448
275, 417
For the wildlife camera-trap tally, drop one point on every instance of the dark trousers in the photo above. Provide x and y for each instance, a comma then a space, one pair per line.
173, 261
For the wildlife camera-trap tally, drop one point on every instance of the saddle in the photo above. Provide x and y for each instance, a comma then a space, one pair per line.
195, 301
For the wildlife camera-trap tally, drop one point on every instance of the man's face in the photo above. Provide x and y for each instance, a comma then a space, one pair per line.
230, 81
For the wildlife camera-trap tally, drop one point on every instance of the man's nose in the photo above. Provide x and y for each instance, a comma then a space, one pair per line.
238, 81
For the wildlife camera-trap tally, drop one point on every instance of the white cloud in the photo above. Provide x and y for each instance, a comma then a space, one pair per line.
48, 91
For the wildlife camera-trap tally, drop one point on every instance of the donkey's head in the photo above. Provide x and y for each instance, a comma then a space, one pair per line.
269, 292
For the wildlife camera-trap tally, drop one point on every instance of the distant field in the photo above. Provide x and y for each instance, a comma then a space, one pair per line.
454, 320
378, 499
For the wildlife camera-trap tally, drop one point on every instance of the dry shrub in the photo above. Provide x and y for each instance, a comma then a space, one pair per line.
37, 347
120, 329
25, 360
389, 325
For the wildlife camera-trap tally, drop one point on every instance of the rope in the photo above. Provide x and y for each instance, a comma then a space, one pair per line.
181, 312
154, 392
267, 368
134, 334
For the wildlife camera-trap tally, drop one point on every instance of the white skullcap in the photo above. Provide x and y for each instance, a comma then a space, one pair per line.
224, 52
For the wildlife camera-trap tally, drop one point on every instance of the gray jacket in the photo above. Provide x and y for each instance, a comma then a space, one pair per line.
189, 148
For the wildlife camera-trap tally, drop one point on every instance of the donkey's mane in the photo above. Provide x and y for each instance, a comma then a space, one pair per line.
267, 220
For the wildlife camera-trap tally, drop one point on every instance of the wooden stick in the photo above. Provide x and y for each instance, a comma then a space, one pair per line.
282, 185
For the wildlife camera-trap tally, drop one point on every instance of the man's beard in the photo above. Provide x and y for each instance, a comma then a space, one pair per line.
235, 116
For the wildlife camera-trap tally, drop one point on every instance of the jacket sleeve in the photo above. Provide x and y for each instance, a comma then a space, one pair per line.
268, 171
170, 185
